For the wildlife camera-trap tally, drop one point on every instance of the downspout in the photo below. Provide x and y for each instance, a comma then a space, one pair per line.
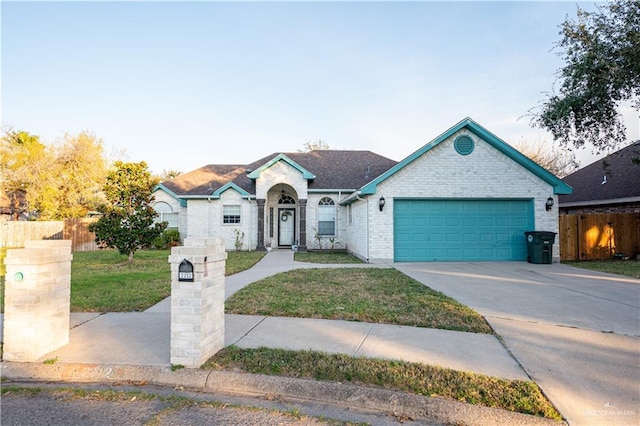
337, 217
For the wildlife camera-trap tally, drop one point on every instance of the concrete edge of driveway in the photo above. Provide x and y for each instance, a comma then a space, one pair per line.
293, 389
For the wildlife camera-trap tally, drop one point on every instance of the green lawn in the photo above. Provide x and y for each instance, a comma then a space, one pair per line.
628, 268
103, 281
238, 261
326, 257
416, 378
355, 294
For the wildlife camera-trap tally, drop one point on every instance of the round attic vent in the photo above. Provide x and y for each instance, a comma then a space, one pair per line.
464, 145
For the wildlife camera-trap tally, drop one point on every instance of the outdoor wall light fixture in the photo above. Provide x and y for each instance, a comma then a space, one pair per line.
381, 203
549, 204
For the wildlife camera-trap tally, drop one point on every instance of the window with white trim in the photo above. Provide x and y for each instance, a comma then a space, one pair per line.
166, 214
231, 214
326, 217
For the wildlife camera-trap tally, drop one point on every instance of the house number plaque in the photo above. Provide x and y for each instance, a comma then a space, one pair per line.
185, 271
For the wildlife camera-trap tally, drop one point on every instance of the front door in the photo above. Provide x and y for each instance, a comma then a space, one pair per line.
286, 227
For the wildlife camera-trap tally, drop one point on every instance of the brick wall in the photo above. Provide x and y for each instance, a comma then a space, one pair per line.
356, 235
197, 307
37, 299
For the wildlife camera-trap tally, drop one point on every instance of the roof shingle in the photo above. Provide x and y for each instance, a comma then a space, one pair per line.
614, 177
334, 170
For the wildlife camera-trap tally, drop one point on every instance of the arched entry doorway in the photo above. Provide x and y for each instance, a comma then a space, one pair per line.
283, 220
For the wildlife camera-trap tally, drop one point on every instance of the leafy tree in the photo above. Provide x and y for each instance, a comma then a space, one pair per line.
52, 182
23, 162
168, 174
601, 51
128, 221
78, 173
318, 145
560, 162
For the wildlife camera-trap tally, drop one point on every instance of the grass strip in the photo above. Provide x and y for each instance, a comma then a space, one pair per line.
238, 261
628, 268
355, 294
326, 257
420, 379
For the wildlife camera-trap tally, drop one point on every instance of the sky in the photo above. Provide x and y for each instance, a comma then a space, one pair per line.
184, 84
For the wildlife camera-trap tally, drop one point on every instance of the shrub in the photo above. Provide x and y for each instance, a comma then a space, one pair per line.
168, 238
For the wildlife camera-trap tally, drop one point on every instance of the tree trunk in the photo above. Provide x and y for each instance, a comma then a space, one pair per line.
131, 257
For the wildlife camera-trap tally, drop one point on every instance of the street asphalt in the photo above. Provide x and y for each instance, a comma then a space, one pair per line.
574, 332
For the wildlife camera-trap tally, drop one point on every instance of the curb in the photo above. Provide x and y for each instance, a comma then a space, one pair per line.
338, 394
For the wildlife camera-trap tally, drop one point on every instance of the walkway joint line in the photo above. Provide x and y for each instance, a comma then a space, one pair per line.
364, 339
250, 330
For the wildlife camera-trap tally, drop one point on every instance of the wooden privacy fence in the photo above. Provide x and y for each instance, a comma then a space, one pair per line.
77, 231
599, 236
15, 233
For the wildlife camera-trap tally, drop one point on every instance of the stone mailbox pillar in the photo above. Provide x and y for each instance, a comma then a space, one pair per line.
197, 300
37, 299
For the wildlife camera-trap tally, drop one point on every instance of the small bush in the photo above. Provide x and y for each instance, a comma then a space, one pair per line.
168, 238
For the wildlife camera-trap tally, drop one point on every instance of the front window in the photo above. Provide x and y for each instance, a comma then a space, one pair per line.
230, 214
166, 214
326, 217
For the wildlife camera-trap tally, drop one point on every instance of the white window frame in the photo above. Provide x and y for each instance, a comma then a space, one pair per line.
326, 209
166, 214
231, 214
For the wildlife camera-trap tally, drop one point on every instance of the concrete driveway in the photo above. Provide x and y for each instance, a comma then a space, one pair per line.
575, 332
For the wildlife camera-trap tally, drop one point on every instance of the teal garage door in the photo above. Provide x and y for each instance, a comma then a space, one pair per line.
461, 230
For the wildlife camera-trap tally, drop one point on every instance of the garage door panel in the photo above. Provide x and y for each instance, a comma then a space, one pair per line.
435, 222
453, 237
460, 230
468, 237
486, 222
503, 222
518, 222
487, 238
469, 222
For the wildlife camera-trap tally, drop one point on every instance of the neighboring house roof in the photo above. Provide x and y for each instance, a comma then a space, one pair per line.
614, 179
325, 169
559, 187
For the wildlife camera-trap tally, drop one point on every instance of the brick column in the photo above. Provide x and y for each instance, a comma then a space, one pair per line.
197, 300
302, 246
37, 299
261, 202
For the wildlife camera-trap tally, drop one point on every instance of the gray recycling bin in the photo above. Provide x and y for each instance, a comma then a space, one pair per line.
540, 246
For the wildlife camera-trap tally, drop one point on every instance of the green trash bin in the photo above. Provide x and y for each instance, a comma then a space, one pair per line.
540, 246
